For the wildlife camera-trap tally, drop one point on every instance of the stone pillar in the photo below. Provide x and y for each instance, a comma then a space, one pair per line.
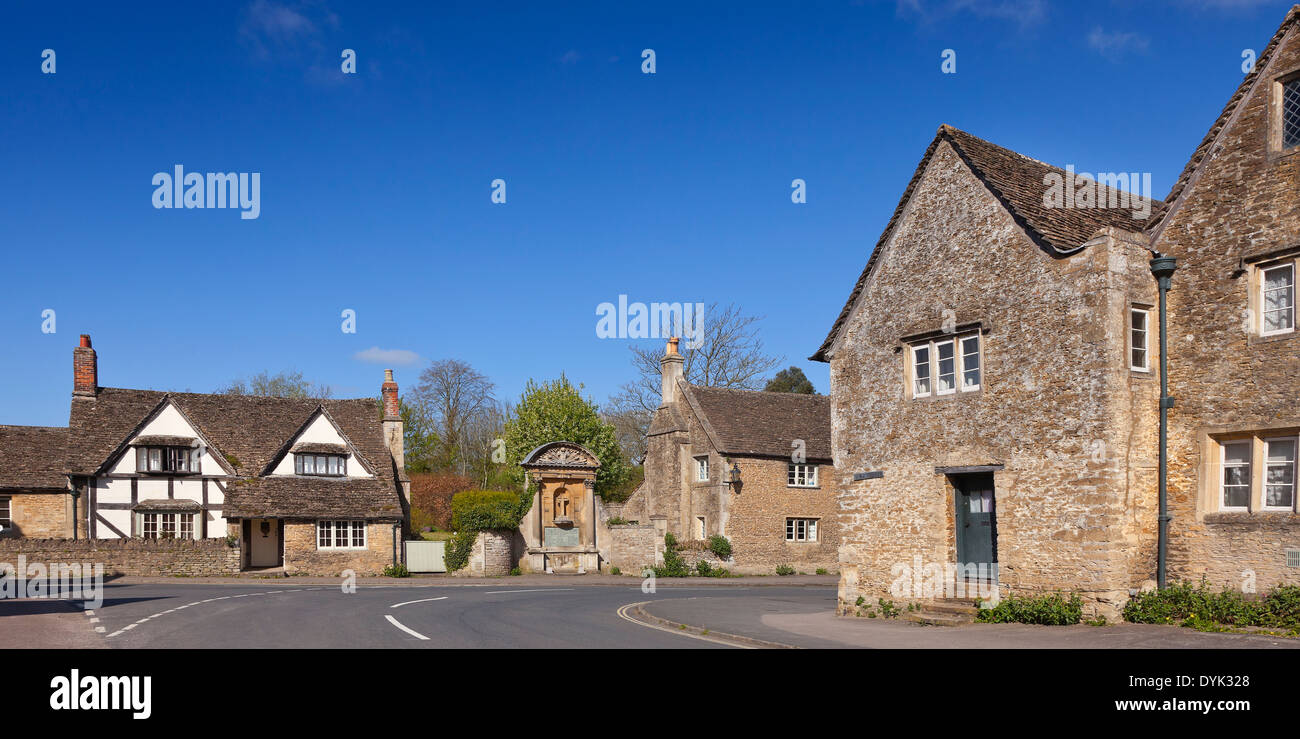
497, 552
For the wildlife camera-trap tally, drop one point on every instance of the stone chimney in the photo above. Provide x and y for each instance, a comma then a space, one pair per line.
85, 370
670, 368
393, 430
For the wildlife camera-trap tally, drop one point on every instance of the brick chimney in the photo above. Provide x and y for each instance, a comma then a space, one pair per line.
85, 370
393, 429
670, 368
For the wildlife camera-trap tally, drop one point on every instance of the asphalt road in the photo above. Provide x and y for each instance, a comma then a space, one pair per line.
489, 615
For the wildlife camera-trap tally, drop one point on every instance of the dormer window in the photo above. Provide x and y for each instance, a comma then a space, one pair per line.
166, 459
320, 465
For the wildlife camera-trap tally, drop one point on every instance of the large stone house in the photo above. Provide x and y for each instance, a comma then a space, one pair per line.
753, 466
995, 371
313, 486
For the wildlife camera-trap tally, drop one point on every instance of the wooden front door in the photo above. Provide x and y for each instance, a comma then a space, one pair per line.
977, 527
265, 546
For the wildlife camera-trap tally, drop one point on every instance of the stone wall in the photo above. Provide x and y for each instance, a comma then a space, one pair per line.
632, 548
1054, 410
1229, 381
492, 555
132, 557
41, 515
301, 557
757, 514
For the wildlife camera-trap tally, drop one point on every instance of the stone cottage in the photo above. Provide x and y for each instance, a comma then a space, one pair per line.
753, 466
995, 370
313, 486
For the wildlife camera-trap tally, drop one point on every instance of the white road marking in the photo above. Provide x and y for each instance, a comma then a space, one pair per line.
534, 590
409, 602
622, 613
399, 625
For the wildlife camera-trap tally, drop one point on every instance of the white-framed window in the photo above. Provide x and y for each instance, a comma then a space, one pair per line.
702, 469
1277, 299
700, 528
970, 363
320, 465
801, 475
340, 534
921, 371
945, 375
1235, 481
6, 513
946, 366
1279, 474
801, 529
161, 525
166, 459
1139, 333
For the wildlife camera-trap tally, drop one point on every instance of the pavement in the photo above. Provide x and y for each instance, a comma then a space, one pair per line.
525, 612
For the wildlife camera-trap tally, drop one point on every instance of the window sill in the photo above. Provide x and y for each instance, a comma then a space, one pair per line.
1252, 517
804, 487
341, 549
165, 473
1254, 339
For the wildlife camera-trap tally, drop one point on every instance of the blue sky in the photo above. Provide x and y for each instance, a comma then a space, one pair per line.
375, 187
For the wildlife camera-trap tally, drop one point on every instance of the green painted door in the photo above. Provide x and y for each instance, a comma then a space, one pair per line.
977, 532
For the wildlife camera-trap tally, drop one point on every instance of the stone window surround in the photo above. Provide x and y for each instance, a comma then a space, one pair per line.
350, 532
1211, 471
1145, 310
816, 476
1274, 129
701, 465
955, 337
792, 526
6, 512
1253, 266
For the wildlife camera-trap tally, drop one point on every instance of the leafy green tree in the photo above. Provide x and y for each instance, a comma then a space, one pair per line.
420, 439
790, 380
555, 411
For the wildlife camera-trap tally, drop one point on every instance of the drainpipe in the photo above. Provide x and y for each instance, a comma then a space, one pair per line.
1162, 268
394, 545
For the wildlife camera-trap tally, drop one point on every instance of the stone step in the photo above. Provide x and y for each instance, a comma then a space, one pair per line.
966, 607
933, 618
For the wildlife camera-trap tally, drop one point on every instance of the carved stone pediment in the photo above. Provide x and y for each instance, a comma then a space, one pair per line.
562, 454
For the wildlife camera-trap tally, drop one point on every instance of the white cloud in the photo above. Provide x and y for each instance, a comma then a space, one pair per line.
375, 355
1022, 12
1116, 43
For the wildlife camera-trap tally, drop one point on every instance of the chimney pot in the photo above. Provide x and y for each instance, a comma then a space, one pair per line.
392, 405
85, 340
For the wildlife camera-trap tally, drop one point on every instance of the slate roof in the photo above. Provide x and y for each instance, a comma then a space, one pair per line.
1017, 181
761, 424
248, 432
32, 458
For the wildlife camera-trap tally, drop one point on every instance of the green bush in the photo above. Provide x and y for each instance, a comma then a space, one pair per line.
458, 549
1198, 607
719, 545
784, 570
516, 572
483, 510
397, 570
615, 571
821, 571
1048, 610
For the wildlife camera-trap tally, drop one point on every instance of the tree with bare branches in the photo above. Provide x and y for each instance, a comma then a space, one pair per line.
455, 396
729, 353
